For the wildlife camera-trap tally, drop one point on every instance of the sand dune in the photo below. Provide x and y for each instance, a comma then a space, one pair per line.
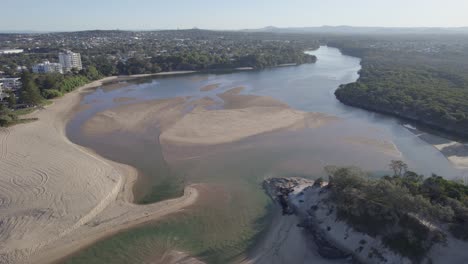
52, 190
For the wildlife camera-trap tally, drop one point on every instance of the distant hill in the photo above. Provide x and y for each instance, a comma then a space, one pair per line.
363, 30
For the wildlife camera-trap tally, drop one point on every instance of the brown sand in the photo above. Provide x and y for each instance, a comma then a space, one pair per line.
234, 100
210, 87
383, 146
137, 117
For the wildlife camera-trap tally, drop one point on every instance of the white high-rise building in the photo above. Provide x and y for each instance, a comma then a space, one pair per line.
70, 60
47, 67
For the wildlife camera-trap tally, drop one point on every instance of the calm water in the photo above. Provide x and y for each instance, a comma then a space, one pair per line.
233, 210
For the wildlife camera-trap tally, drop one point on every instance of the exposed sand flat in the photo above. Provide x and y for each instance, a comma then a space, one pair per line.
234, 100
177, 257
223, 126
456, 152
204, 102
118, 216
383, 146
246, 116
53, 192
243, 116
137, 117
123, 99
210, 87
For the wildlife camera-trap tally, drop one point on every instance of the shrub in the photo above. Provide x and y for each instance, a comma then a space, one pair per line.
51, 93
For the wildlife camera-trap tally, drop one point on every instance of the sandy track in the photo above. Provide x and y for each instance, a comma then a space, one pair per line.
51, 190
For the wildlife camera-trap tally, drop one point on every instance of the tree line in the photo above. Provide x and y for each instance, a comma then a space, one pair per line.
409, 212
430, 88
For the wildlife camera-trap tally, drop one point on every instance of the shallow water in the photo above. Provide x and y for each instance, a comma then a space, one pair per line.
233, 210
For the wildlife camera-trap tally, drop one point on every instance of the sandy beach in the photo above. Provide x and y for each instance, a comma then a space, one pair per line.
56, 197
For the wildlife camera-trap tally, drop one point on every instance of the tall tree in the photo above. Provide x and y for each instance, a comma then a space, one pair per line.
30, 93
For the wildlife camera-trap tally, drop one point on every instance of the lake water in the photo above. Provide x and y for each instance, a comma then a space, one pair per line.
233, 209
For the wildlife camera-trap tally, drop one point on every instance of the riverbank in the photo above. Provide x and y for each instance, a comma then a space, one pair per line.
455, 151
52, 189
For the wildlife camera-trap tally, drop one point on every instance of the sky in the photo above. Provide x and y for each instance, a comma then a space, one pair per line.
71, 15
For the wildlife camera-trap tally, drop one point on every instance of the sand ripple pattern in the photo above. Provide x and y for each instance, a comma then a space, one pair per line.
48, 186
56, 196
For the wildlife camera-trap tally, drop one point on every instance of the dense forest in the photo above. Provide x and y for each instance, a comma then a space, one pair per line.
428, 84
409, 212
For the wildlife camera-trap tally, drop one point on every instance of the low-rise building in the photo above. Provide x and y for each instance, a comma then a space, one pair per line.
11, 51
47, 67
12, 84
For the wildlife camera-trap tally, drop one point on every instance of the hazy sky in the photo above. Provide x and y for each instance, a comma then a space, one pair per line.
52, 15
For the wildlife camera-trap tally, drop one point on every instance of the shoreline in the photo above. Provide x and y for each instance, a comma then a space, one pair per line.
454, 150
40, 221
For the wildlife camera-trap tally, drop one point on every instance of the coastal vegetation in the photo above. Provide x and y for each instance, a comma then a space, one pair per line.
408, 212
37, 88
428, 85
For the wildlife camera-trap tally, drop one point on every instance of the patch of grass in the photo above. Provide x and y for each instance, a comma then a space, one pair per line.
22, 121
25, 111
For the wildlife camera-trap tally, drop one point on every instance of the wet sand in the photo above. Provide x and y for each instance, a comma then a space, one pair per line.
455, 151
209, 87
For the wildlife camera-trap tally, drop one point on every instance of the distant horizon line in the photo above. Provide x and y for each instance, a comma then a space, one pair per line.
25, 31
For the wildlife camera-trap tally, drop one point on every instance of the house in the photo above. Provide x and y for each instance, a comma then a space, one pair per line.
12, 84
47, 67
